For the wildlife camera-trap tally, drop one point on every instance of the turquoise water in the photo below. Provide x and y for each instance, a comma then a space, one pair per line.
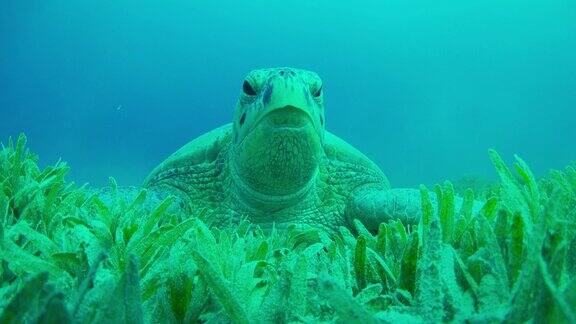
423, 88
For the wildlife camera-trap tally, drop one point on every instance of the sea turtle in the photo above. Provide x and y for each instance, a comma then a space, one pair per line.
277, 164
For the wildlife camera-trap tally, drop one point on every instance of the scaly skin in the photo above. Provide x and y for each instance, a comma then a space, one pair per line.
276, 164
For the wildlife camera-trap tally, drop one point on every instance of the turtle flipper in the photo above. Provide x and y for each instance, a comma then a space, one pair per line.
373, 207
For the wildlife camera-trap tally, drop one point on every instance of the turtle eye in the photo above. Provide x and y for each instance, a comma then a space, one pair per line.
317, 93
247, 88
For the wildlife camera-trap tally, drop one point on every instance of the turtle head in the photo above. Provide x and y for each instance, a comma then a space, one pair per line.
278, 131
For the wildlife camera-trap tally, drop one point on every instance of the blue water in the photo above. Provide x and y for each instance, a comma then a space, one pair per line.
424, 88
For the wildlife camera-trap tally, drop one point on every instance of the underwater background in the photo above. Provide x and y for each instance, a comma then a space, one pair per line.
422, 88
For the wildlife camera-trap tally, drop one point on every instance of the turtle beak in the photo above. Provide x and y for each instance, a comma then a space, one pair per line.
288, 116
287, 102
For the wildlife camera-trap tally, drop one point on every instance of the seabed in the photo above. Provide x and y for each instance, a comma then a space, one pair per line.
68, 255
